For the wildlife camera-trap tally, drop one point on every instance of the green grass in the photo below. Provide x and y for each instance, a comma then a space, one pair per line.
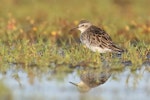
35, 33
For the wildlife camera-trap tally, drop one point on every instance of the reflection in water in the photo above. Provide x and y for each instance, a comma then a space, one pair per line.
91, 78
123, 85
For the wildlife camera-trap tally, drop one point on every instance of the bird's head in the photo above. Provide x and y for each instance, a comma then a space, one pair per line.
83, 25
82, 86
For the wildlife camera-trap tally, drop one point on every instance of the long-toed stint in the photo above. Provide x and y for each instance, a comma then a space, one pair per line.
96, 39
92, 78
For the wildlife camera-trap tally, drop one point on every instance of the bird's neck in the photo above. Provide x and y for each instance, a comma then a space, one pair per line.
82, 30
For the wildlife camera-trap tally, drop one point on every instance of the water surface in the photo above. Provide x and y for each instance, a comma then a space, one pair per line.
124, 85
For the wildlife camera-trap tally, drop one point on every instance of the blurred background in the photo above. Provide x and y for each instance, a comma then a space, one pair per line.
128, 18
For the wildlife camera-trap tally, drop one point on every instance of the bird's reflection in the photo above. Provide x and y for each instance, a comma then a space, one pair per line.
91, 78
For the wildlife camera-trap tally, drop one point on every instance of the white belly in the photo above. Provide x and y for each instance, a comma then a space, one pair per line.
100, 50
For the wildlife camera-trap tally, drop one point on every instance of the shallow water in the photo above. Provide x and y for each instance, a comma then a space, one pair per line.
124, 85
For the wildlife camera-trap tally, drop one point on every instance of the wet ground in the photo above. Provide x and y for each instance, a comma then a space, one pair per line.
125, 85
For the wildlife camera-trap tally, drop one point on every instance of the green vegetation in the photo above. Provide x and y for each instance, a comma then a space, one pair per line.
35, 33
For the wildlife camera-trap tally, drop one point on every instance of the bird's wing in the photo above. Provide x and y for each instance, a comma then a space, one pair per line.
100, 38
101, 32
94, 77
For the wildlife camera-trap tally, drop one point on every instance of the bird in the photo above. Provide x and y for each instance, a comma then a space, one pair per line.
91, 78
96, 39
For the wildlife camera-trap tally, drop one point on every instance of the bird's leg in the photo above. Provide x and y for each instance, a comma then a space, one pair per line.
116, 55
102, 57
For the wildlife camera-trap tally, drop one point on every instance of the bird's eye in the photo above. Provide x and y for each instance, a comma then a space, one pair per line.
82, 25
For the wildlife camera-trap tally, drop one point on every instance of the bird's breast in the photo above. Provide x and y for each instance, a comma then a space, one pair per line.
84, 38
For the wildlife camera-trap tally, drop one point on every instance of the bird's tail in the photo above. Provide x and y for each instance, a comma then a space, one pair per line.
117, 49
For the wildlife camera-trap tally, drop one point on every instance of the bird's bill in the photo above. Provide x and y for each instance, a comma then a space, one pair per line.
74, 83
74, 28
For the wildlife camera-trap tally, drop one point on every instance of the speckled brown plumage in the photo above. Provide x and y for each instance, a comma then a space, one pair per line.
96, 39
